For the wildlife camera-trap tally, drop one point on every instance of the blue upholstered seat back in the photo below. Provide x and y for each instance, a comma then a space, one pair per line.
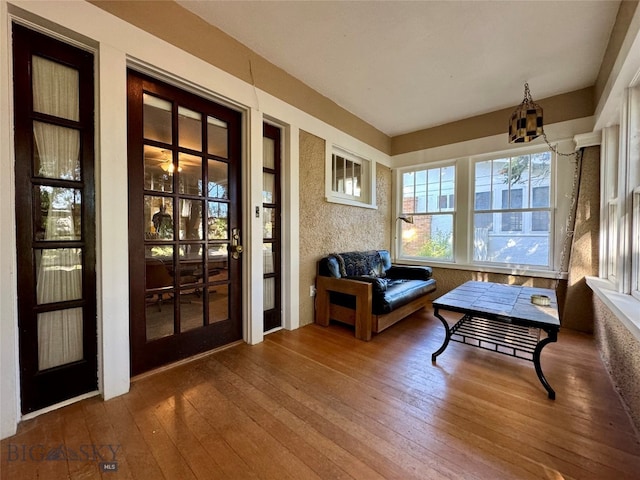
355, 264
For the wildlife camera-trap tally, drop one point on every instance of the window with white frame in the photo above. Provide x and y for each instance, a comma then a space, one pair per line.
512, 210
428, 198
635, 242
612, 239
619, 268
350, 178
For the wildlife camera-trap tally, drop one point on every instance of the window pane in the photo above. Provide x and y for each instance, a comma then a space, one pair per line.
483, 185
158, 169
58, 213
59, 338
520, 248
190, 174
268, 150
269, 295
58, 275
218, 179
217, 138
268, 187
56, 151
218, 262
430, 236
189, 129
217, 221
218, 303
540, 197
55, 89
408, 192
421, 197
268, 261
158, 216
191, 263
191, 309
268, 222
356, 179
540, 221
191, 220
157, 119
338, 174
159, 283
483, 201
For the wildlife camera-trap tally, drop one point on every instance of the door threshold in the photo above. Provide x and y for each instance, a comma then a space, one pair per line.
184, 361
58, 405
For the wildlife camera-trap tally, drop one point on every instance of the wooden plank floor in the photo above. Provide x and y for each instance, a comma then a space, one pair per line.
317, 404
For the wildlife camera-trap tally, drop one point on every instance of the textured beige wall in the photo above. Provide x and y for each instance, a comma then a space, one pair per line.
329, 227
578, 313
448, 279
620, 352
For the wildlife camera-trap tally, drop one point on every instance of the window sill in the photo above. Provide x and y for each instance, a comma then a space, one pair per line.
625, 307
348, 201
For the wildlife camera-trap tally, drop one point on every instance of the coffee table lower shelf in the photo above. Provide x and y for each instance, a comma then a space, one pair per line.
501, 337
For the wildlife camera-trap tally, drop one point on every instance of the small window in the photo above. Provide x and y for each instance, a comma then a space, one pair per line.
350, 179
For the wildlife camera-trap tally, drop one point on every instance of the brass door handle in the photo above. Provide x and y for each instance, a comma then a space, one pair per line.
236, 248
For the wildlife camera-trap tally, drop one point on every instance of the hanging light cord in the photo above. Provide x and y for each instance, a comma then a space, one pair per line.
554, 149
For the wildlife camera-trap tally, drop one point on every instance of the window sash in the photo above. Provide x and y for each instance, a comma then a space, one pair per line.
635, 244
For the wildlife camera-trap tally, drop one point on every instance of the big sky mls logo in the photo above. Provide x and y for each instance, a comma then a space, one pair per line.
104, 455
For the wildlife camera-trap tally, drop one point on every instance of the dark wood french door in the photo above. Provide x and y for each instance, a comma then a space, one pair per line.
185, 238
55, 219
271, 242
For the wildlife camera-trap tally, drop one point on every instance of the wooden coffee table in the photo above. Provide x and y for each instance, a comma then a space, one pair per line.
503, 319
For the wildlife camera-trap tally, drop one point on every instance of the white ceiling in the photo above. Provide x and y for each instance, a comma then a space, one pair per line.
407, 65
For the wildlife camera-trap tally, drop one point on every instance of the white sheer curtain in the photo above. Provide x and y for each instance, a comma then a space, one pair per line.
56, 92
269, 285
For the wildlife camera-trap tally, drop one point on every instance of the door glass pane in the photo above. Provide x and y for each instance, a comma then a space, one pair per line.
218, 221
56, 151
268, 186
191, 309
218, 179
191, 263
59, 337
191, 220
217, 137
268, 153
57, 213
159, 315
267, 254
158, 169
190, 174
189, 129
269, 293
159, 282
157, 119
218, 262
55, 89
268, 222
158, 218
218, 303
58, 274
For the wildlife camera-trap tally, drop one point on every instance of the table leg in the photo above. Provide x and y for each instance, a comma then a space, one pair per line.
447, 336
552, 337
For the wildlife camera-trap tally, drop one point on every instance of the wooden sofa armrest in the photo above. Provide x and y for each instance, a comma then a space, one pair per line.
361, 290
